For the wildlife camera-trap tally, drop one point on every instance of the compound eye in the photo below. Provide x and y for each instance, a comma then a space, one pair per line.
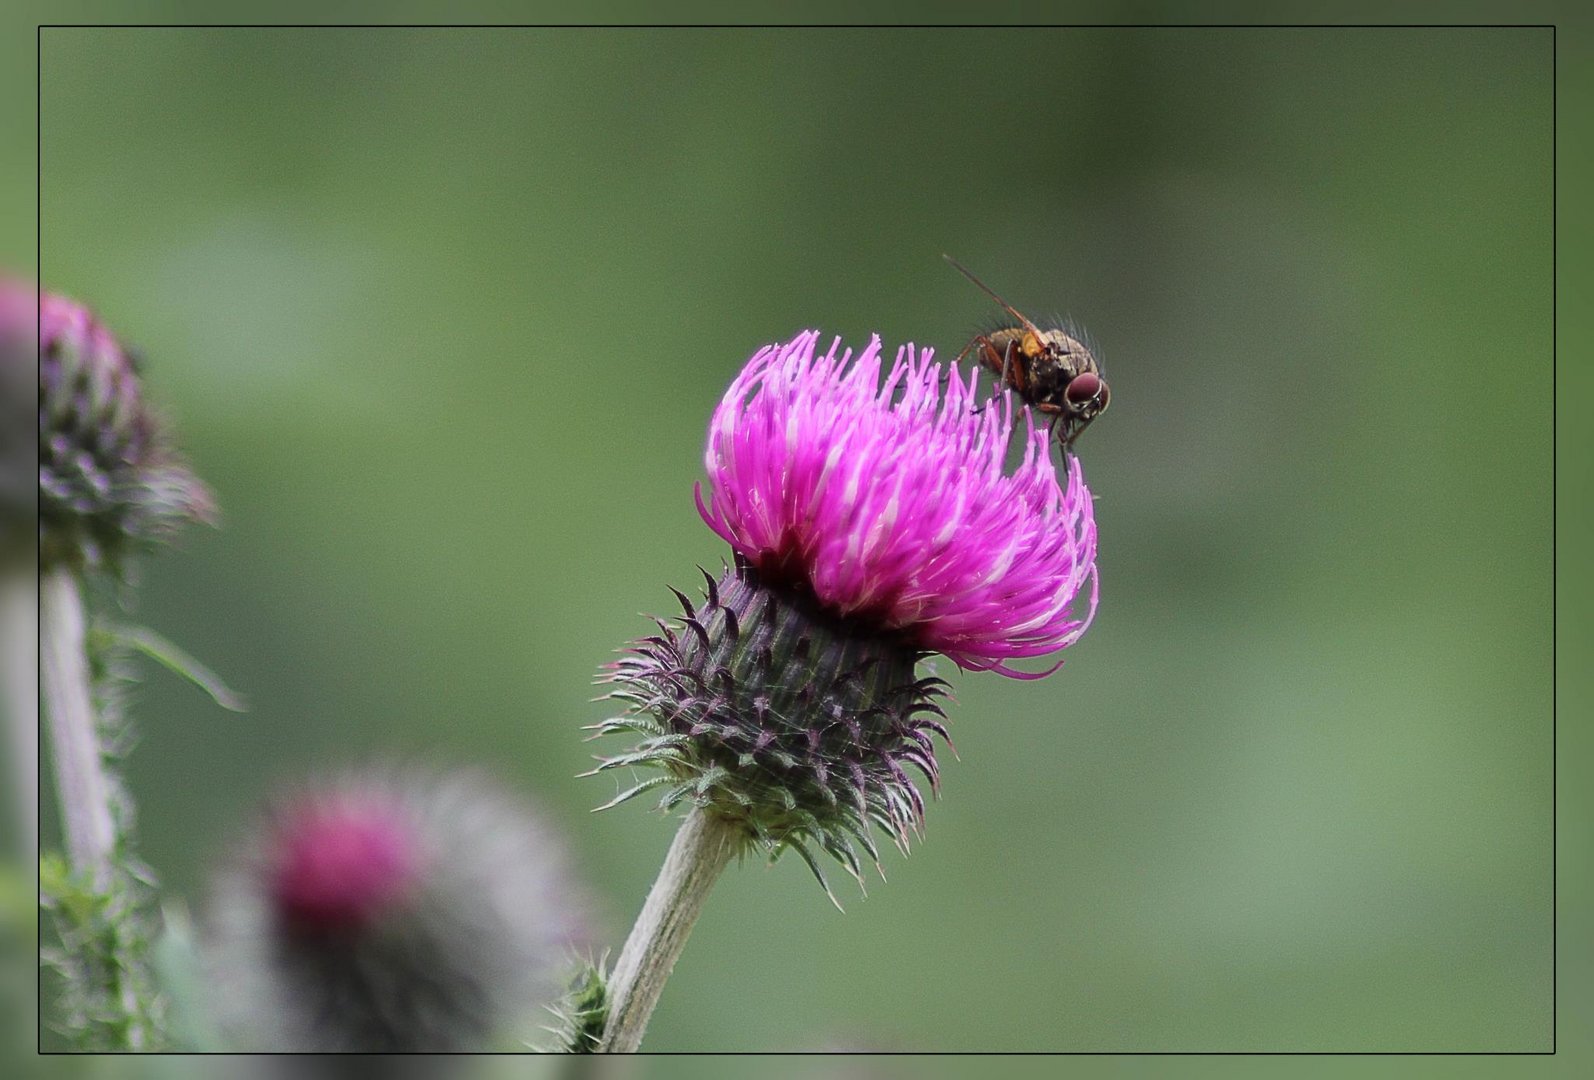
1085, 391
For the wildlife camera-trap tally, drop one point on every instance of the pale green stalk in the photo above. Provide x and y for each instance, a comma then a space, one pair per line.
108, 998
83, 790
702, 848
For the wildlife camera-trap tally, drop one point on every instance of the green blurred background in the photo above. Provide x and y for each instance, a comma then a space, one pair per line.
441, 316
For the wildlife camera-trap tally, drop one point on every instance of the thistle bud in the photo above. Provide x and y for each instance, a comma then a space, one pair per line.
389, 913
109, 479
19, 315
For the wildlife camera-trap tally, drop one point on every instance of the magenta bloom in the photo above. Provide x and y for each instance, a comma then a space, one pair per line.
109, 478
339, 860
891, 503
388, 911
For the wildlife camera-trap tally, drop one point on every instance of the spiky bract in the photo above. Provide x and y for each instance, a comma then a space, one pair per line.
764, 709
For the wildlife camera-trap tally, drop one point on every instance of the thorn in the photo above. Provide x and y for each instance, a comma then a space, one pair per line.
698, 629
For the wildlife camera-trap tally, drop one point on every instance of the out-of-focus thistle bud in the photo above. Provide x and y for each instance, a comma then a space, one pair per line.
873, 525
19, 317
109, 479
391, 912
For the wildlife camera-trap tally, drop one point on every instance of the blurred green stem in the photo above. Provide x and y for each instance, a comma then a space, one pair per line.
82, 788
702, 848
97, 895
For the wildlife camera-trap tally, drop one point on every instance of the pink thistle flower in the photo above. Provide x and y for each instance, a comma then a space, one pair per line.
389, 911
339, 860
890, 503
873, 522
109, 479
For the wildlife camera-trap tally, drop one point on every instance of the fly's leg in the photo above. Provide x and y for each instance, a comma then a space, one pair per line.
1063, 443
1058, 415
979, 340
1076, 433
1007, 360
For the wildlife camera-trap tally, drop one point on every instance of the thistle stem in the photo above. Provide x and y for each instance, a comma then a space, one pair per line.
702, 848
82, 787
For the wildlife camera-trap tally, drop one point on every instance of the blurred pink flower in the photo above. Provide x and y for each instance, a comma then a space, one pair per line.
338, 859
389, 910
891, 503
110, 480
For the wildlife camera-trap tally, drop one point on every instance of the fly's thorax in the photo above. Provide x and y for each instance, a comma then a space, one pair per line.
1069, 353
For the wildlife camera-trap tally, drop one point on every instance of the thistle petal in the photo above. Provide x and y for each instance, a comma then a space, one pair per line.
892, 505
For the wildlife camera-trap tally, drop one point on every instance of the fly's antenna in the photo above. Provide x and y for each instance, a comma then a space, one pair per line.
988, 291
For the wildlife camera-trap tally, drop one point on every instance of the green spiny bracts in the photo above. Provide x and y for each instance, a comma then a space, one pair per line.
584, 1012
109, 480
761, 708
108, 999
